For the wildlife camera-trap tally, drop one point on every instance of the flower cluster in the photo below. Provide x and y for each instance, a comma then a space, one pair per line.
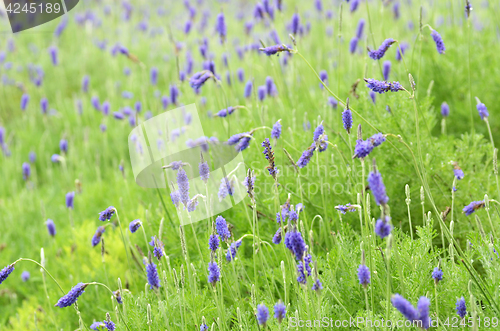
383, 86
380, 52
364, 147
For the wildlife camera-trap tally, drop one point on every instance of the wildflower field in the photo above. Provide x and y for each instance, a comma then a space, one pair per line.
335, 166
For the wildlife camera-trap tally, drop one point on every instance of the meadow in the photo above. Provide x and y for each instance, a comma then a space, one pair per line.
368, 183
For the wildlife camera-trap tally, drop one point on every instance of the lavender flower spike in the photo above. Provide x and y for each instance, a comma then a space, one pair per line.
5, 272
51, 227
72, 296
382, 86
380, 52
306, 156
404, 307
153, 278
437, 274
220, 26
134, 225
262, 314
461, 308
377, 187
271, 50
482, 110
107, 214
472, 207
213, 273
439, 42
222, 229
183, 183
276, 131
383, 228
423, 312
364, 275
347, 119
279, 311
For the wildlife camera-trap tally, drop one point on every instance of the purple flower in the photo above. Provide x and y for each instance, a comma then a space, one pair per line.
221, 228
105, 108
380, 52
55, 158
220, 26
198, 79
383, 228
332, 102
347, 120
423, 312
377, 187
323, 75
32, 156
306, 156
118, 115
183, 184
295, 243
295, 24
386, 69
134, 225
353, 44
271, 87
152, 274
277, 237
85, 83
279, 311
261, 92
174, 94
437, 274
70, 298
345, 208
241, 74
106, 214
268, 152
276, 131
95, 103
363, 275
26, 168
483, 111
25, 276
44, 105
461, 308
439, 42
472, 207
63, 146
204, 171
109, 325
317, 285
248, 89
359, 28
445, 109
262, 314
401, 50
381, 86
363, 148
97, 325
53, 55
96, 239
395, 10
232, 250
213, 273
404, 307
271, 50
459, 173
213, 242
51, 227
24, 101
354, 5
192, 204
5, 272
70, 199
164, 102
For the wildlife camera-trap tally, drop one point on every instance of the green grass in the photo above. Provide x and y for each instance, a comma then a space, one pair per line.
330, 179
